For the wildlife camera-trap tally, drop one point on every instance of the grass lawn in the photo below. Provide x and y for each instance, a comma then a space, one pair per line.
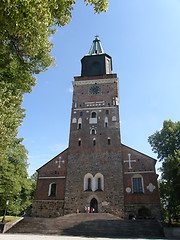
10, 219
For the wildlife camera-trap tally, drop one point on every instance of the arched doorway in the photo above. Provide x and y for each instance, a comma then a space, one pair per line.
94, 205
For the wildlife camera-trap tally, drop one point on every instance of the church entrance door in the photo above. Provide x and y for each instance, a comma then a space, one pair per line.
94, 205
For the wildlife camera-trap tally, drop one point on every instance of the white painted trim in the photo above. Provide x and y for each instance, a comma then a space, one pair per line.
94, 102
51, 177
139, 172
98, 81
80, 109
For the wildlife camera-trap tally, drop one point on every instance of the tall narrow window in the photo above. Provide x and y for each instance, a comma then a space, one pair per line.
79, 126
109, 141
106, 122
89, 184
137, 185
52, 190
143, 166
93, 114
79, 142
99, 184
94, 142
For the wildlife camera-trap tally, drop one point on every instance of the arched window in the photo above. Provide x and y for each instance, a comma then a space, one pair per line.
93, 114
99, 182
52, 190
79, 123
93, 118
93, 131
137, 184
109, 141
106, 122
88, 182
79, 142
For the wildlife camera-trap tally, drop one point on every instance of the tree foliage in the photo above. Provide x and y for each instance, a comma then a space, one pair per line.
15, 184
25, 50
166, 143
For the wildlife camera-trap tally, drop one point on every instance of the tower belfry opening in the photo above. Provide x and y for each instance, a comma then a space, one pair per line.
97, 62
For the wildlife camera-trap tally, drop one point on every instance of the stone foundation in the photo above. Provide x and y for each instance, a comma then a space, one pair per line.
143, 210
48, 208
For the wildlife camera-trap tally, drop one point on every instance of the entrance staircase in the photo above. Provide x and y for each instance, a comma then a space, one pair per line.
90, 225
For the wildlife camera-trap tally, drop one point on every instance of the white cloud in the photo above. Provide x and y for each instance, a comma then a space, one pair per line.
70, 90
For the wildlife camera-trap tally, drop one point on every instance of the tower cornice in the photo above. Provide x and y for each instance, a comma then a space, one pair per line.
83, 81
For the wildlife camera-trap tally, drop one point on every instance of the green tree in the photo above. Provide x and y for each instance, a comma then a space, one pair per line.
15, 185
25, 51
166, 143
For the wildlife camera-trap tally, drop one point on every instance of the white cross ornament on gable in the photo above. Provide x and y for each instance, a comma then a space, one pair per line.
129, 161
59, 162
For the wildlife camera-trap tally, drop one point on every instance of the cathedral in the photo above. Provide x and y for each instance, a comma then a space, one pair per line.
97, 173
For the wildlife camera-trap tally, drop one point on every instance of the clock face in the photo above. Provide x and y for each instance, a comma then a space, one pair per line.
94, 90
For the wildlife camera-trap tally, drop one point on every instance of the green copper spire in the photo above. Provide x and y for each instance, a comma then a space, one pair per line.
96, 47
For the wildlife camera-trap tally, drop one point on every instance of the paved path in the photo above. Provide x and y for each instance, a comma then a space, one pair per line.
43, 237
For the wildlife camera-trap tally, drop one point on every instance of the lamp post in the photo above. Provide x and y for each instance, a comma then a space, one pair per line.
3, 219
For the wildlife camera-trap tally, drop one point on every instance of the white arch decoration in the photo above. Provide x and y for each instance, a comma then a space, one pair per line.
86, 177
94, 181
99, 175
93, 131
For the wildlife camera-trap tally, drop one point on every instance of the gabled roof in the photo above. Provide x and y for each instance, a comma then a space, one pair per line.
96, 47
138, 152
52, 159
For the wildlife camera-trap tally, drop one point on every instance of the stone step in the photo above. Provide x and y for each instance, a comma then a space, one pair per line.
90, 225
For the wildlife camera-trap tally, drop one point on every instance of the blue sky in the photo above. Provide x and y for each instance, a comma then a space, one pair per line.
143, 38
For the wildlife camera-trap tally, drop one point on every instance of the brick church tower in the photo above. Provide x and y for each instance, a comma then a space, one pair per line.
97, 171
94, 170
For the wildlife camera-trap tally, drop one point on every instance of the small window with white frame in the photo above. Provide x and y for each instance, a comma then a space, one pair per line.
137, 184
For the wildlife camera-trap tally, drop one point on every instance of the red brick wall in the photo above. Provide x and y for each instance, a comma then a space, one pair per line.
148, 174
50, 173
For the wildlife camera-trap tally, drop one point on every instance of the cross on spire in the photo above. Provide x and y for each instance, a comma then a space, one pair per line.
59, 162
129, 161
